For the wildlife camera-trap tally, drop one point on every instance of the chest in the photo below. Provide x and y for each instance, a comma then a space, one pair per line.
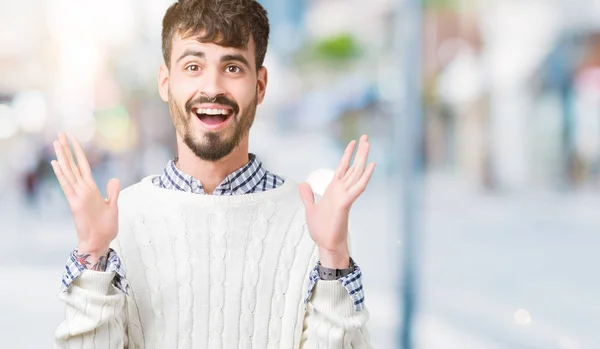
210, 277
217, 258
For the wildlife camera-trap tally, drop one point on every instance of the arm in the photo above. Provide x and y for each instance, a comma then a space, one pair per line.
335, 314
97, 314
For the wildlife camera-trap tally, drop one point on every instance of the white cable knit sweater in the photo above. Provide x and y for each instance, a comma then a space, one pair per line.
241, 272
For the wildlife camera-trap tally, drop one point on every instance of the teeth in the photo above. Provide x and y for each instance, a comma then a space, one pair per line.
209, 111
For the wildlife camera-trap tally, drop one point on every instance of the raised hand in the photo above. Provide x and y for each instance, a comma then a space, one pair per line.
328, 220
96, 218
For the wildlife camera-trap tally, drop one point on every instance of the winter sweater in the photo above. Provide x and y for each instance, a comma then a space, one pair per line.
211, 272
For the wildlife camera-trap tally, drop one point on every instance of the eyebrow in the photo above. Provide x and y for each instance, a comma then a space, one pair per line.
186, 53
225, 58
237, 58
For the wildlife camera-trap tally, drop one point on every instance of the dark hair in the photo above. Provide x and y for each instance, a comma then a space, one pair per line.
227, 23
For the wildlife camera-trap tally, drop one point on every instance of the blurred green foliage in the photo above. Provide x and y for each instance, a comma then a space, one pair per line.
446, 4
337, 48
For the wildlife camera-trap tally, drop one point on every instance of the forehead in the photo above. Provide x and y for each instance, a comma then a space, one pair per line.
181, 43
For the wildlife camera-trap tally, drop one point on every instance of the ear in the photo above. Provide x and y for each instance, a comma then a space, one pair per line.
163, 82
261, 85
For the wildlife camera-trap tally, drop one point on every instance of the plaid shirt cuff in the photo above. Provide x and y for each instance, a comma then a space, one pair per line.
73, 269
352, 282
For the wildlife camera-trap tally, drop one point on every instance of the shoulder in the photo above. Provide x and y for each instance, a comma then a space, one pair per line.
136, 193
136, 203
291, 198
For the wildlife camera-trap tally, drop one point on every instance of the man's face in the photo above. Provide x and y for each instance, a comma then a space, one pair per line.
212, 93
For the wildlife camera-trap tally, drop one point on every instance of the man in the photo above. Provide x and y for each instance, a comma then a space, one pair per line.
219, 252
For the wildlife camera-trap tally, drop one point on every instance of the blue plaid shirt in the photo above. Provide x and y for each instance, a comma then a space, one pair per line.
251, 178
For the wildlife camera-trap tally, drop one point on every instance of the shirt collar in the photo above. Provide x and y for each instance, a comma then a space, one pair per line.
243, 181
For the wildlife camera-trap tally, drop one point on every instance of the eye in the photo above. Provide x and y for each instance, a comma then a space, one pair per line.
193, 67
234, 69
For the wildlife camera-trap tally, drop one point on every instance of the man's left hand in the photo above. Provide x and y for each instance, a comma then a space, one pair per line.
328, 220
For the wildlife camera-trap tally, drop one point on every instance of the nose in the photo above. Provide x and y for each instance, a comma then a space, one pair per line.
212, 84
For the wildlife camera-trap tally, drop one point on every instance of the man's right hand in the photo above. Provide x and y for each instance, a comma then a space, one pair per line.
96, 218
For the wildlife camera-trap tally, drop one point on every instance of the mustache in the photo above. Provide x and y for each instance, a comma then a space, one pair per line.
218, 100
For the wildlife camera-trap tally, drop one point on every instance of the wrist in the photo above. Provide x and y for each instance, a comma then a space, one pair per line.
93, 250
92, 259
337, 259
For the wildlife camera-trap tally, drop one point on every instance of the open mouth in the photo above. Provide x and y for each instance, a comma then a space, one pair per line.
213, 116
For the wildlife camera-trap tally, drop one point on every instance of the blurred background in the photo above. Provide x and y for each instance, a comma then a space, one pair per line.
480, 225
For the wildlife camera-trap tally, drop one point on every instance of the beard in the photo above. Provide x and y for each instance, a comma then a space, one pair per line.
213, 146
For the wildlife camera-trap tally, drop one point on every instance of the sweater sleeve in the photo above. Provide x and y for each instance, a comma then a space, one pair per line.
332, 320
336, 315
97, 315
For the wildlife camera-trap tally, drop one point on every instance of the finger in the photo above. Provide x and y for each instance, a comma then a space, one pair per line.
84, 165
361, 185
307, 196
62, 180
65, 143
112, 190
348, 173
345, 161
63, 162
360, 160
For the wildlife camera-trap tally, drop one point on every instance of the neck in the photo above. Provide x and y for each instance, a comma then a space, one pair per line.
211, 173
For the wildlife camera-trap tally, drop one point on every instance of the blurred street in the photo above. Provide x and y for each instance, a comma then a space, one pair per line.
512, 271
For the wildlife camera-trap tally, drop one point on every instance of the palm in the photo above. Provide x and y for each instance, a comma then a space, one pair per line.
327, 217
96, 219
327, 221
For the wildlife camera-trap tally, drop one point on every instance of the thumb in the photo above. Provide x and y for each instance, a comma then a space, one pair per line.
306, 195
112, 190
